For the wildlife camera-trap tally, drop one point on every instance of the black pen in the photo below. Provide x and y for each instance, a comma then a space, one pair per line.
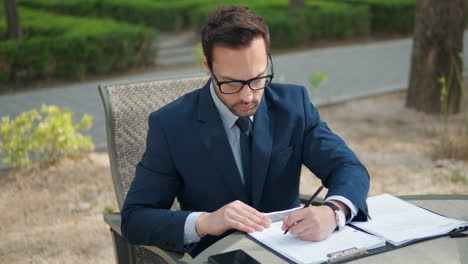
307, 204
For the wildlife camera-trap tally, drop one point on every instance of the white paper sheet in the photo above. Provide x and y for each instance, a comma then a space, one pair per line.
278, 215
400, 222
301, 251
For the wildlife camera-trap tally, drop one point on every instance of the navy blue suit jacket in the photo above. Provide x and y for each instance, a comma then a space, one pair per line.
188, 156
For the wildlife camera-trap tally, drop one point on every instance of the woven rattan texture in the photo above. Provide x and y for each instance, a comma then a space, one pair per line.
131, 105
145, 256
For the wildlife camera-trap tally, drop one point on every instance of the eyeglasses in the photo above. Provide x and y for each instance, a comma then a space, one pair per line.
235, 86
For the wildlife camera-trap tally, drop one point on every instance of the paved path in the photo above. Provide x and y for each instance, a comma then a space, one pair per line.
353, 71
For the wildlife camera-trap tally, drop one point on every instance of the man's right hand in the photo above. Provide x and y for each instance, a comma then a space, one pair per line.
235, 215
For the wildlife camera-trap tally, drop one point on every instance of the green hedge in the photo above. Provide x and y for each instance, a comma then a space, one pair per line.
389, 16
60, 46
317, 20
163, 15
341, 19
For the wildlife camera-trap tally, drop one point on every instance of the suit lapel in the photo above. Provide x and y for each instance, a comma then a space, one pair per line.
261, 150
213, 136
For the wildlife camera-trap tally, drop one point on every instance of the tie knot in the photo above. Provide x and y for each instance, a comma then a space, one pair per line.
244, 124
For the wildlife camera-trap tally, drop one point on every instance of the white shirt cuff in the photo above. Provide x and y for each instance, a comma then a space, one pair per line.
348, 203
190, 232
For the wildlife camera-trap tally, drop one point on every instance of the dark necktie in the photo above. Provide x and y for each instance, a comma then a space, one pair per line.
245, 125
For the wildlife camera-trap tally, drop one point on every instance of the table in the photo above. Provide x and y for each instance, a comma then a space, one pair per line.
440, 250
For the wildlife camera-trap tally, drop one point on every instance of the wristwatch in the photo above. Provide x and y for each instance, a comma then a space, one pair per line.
339, 215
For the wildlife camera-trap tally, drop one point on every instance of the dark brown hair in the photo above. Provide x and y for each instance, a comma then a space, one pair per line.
232, 26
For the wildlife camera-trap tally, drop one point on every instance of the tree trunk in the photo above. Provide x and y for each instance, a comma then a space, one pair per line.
436, 61
296, 4
12, 19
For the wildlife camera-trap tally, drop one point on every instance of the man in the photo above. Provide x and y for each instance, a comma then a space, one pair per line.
233, 150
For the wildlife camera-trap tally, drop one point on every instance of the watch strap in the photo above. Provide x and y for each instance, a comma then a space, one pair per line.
332, 206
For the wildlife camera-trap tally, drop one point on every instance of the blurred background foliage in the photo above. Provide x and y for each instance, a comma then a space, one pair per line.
47, 134
73, 38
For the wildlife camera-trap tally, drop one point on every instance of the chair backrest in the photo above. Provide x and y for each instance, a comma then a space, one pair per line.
127, 108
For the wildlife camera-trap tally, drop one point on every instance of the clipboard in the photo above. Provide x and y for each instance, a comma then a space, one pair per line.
353, 253
345, 244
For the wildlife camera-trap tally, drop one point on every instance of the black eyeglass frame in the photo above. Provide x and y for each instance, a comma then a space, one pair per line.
248, 82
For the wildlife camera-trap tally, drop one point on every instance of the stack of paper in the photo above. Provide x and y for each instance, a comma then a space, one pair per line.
393, 220
400, 222
301, 251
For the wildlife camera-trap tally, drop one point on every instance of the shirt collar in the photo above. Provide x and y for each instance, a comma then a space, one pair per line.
229, 119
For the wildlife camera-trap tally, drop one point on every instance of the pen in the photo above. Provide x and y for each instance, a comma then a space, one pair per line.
307, 204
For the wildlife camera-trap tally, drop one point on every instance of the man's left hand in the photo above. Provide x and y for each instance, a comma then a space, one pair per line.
313, 223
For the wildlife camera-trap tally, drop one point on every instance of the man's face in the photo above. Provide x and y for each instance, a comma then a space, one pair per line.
240, 64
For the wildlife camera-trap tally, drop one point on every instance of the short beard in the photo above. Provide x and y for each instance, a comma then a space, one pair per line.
247, 113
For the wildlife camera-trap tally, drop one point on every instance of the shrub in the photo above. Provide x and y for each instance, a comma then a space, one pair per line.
317, 79
452, 139
320, 18
48, 134
289, 28
110, 209
62, 46
286, 30
317, 21
391, 16
163, 15
198, 54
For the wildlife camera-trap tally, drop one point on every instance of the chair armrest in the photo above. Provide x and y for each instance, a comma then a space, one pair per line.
114, 220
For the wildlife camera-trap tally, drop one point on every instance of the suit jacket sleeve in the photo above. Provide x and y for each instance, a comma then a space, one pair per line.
146, 218
328, 157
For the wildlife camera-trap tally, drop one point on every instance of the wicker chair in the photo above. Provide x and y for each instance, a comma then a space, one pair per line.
127, 107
